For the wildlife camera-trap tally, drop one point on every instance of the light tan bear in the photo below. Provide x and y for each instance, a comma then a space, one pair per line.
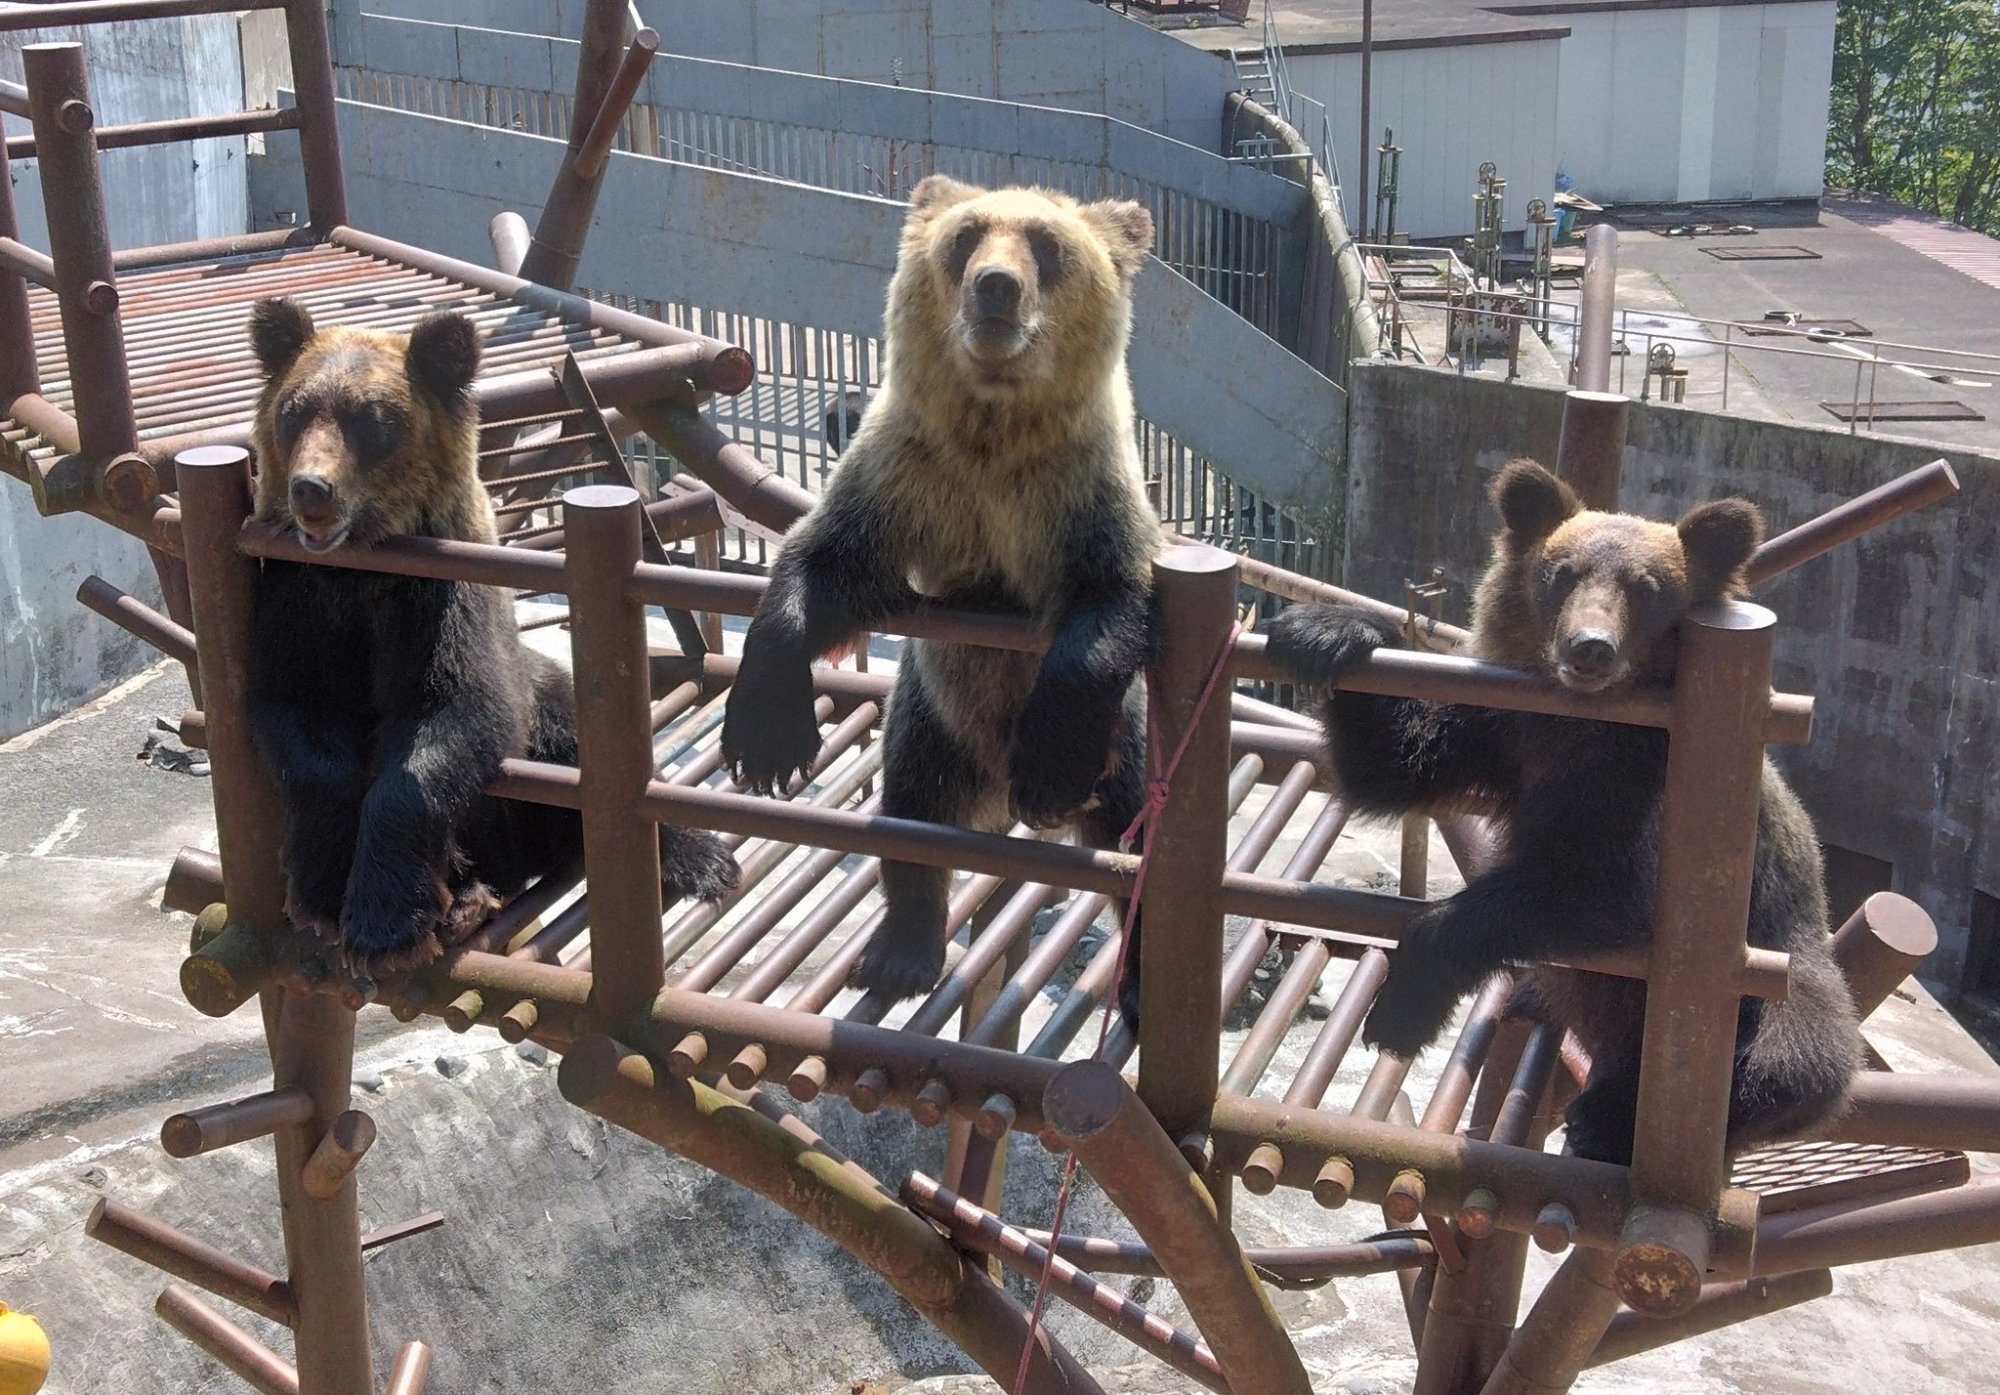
997, 467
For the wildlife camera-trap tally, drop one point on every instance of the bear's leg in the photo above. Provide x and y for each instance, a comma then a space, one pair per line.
928, 774
1598, 1123
1794, 1059
323, 777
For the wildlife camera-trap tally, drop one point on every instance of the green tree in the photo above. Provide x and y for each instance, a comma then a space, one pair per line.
1916, 105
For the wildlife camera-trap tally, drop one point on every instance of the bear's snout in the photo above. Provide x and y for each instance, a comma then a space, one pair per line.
996, 293
316, 507
1591, 653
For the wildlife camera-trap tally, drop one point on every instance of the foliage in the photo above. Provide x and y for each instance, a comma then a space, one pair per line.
1916, 105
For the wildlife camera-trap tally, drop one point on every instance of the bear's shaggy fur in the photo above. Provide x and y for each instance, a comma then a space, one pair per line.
1593, 600
996, 467
385, 704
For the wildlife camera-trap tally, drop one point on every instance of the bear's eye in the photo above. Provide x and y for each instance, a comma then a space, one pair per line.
963, 246
293, 415
1049, 261
375, 430
1559, 577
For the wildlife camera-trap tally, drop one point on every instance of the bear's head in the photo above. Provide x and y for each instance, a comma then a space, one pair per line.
1015, 291
363, 435
1595, 598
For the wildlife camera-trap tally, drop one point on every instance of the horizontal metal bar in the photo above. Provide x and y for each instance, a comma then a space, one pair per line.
236, 1121
23, 260
1858, 1232
177, 1253
1905, 494
138, 619
120, 11
184, 128
209, 248
1959, 1113
520, 568
260, 1367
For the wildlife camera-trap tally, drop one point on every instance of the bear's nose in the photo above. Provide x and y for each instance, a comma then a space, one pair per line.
311, 495
1590, 651
997, 291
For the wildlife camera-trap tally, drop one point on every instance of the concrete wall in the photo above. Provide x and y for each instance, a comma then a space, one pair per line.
1060, 53
1452, 108
805, 256
1893, 635
1704, 102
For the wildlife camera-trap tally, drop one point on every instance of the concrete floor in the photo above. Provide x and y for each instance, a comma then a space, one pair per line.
576, 1258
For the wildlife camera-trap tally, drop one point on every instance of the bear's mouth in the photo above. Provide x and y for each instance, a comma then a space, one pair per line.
993, 340
324, 539
1578, 681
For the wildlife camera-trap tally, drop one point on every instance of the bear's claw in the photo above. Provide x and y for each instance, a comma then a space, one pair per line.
1322, 644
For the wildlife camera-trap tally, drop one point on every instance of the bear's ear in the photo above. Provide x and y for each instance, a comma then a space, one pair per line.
1127, 230
444, 355
937, 192
279, 329
1717, 540
1533, 503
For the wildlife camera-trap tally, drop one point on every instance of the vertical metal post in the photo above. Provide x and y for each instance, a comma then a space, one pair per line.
557, 246
80, 244
1180, 1020
1708, 838
1367, 80
319, 125
1590, 455
18, 372
1600, 294
311, 1039
614, 748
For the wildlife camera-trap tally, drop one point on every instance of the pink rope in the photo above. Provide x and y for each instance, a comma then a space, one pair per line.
1157, 791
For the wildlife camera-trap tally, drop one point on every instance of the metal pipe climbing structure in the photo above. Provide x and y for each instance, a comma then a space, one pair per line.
128, 388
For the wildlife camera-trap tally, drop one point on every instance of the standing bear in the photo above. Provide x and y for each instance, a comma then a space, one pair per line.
383, 705
1592, 600
997, 466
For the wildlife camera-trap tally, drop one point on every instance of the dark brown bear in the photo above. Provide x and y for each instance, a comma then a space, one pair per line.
1592, 600
385, 704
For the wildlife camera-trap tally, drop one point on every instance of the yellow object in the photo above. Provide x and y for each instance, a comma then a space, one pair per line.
24, 1353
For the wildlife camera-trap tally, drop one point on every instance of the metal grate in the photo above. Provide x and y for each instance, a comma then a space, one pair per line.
1809, 325
1948, 410
1762, 254
1791, 1176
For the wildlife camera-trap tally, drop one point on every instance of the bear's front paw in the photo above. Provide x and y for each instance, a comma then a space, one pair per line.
381, 934
1129, 996
311, 913
1048, 787
1413, 1006
1598, 1125
769, 735
905, 955
694, 863
1321, 644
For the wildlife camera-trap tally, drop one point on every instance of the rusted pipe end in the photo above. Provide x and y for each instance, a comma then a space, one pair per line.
1662, 1252
995, 1117
101, 298
462, 1013
128, 483
339, 1152
519, 1020
871, 1088
592, 1067
227, 971
212, 921
1334, 1184
1476, 1212
688, 1054
412, 1371
931, 1103
1555, 1228
1197, 1149
75, 116
747, 1068
408, 1005
1261, 1173
806, 1082
1084, 1099
731, 371
1405, 1199
1880, 945
193, 728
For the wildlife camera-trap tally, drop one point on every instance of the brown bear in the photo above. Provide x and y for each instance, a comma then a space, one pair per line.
383, 704
1592, 600
997, 466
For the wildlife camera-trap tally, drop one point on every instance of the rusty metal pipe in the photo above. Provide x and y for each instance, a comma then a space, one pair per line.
1590, 452
974, 1228
139, 620
1859, 1232
1708, 834
759, 491
790, 1165
19, 259
1956, 1113
319, 122
614, 747
1598, 305
610, 114
1905, 494
19, 373
1720, 1306
194, 882
177, 1253
166, 254
412, 1371
509, 235
1283, 1265
1880, 946
220, 1125
181, 128
259, 1367
338, 1153
1561, 1331
1096, 1113
121, 11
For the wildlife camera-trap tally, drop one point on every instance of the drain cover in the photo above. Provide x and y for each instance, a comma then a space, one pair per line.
1762, 254
1903, 411
1807, 324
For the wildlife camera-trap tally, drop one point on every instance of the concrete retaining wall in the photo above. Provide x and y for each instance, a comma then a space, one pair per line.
1893, 635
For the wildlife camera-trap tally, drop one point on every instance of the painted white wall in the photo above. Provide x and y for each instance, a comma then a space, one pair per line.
1452, 109
1708, 102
